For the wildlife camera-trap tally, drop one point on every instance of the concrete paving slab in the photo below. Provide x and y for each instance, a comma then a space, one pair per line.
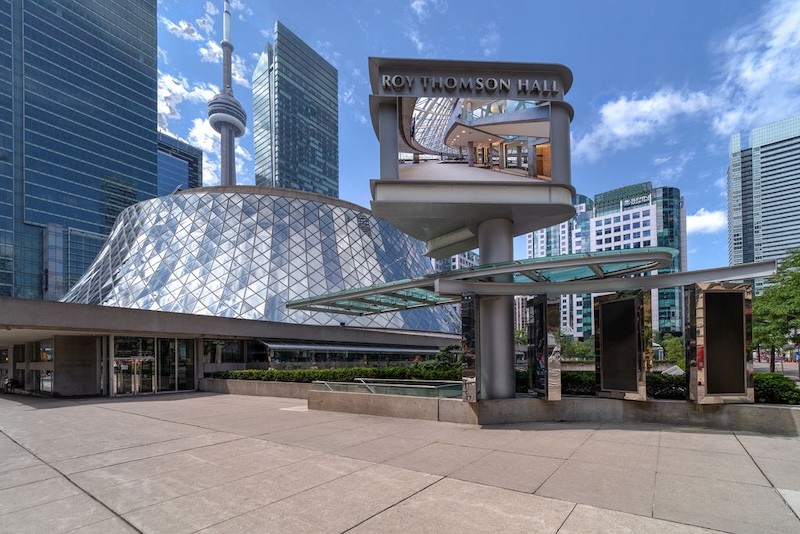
710, 465
720, 505
35, 494
129, 454
782, 474
370, 491
207, 507
171, 470
438, 458
60, 515
114, 525
778, 447
519, 472
456, 506
637, 434
617, 454
26, 475
615, 488
591, 520
383, 449
792, 498
701, 440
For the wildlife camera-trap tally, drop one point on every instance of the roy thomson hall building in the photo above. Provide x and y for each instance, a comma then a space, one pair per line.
197, 282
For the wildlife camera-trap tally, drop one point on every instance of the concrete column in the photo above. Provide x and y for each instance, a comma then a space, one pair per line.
531, 159
502, 154
560, 117
388, 135
519, 156
416, 157
496, 313
471, 153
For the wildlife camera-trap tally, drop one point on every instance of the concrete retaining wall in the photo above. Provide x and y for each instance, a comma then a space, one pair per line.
768, 419
261, 388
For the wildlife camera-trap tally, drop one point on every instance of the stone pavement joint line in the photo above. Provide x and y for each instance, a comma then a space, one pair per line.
68, 479
215, 464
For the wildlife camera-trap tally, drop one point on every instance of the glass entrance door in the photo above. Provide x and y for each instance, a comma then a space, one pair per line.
134, 376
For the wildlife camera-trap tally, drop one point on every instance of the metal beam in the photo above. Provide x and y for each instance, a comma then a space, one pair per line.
736, 272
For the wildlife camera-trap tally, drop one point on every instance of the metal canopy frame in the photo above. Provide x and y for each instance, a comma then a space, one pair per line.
530, 276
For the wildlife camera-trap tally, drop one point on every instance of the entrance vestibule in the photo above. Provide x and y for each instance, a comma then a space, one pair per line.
142, 365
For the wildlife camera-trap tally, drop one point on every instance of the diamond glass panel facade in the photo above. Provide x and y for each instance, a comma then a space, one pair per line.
245, 251
296, 117
77, 130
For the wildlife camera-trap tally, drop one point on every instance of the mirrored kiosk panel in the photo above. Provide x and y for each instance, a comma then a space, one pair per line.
544, 347
620, 347
719, 331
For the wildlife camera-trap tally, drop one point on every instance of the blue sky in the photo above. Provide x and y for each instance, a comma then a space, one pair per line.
659, 86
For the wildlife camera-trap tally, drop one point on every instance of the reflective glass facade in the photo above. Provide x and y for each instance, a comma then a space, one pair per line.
763, 192
244, 252
180, 165
296, 117
77, 131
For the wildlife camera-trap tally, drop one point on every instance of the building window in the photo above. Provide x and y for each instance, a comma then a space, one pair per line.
646, 222
616, 219
646, 213
635, 215
626, 217
646, 233
607, 221
636, 225
626, 226
636, 235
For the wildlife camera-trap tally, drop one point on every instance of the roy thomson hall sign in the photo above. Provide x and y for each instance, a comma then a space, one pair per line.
465, 79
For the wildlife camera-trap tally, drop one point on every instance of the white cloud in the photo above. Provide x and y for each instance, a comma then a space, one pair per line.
722, 185
629, 121
240, 71
661, 160
757, 81
706, 222
173, 90
413, 35
361, 118
162, 56
211, 52
490, 42
760, 70
421, 8
669, 174
203, 136
183, 29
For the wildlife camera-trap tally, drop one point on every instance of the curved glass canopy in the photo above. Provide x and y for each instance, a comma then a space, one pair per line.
421, 291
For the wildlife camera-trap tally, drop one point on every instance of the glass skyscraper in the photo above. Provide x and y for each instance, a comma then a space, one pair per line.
764, 193
295, 117
180, 165
77, 133
627, 218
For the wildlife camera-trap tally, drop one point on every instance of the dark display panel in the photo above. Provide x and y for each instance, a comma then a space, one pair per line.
618, 345
724, 343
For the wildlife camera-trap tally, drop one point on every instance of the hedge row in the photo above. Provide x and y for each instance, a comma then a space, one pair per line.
343, 374
772, 388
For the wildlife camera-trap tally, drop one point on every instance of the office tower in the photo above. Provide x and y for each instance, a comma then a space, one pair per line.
569, 237
764, 193
77, 133
626, 218
180, 165
225, 113
464, 260
295, 117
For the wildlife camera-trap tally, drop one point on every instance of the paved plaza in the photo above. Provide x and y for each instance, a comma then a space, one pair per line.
228, 463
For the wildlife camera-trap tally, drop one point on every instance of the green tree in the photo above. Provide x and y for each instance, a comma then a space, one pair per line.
674, 350
776, 312
521, 336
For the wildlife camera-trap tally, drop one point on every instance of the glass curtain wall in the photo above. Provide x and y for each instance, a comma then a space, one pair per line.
147, 365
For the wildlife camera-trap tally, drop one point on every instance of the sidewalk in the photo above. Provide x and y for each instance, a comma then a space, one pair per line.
227, 463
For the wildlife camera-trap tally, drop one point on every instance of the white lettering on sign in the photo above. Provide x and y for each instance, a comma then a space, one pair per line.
397, 83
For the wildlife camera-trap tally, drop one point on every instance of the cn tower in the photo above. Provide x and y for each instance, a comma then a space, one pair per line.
225, 113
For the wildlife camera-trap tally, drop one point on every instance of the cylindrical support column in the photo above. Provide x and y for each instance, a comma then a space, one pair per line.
388, 135
496, 315
471, 153
560, 117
